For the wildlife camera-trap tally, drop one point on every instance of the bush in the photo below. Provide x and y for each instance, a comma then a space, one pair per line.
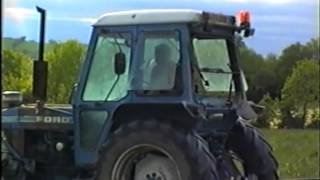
300, 93
271, 118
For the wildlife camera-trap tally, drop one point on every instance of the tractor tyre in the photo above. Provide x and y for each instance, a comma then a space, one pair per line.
153, 150
11, 169
254, 150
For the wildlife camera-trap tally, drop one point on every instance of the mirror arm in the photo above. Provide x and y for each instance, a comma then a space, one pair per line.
112, 88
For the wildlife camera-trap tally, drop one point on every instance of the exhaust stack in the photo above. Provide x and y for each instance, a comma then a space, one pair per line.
40, 67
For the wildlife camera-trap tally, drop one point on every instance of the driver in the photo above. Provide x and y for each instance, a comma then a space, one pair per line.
164, 71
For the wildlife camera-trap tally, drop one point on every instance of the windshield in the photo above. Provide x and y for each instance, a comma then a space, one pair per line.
102, 77
213, 66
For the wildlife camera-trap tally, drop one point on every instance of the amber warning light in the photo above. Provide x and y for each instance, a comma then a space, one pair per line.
243, 21
244, 18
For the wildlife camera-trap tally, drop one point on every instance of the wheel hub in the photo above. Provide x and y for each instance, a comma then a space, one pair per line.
154, 167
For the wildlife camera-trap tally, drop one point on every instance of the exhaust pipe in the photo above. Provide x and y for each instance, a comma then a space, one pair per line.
40, 67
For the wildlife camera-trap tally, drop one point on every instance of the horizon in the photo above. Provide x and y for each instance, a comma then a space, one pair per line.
278, 23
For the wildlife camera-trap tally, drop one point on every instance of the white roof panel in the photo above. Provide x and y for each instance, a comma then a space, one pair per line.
149, 16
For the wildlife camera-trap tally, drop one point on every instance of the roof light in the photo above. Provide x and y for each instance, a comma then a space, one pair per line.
243, 18
244, 24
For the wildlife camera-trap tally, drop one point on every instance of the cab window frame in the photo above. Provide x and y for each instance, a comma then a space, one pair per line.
143, 35
233, 53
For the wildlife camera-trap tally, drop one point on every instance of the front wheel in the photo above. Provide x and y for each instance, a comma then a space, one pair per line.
152, 150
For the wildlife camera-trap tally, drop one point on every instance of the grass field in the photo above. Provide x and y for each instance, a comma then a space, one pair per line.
297, 152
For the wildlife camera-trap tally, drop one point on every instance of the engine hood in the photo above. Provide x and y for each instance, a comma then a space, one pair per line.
26, 117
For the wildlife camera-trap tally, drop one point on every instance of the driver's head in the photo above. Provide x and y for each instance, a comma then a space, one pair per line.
162, 53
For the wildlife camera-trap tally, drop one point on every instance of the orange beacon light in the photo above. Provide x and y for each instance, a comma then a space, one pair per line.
244, 18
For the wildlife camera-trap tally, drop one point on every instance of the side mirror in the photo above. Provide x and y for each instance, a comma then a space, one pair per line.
119, 63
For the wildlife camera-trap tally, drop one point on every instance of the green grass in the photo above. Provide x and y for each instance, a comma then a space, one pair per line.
297, 152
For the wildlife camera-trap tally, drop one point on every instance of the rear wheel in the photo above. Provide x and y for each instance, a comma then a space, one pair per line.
255, 152
151, 150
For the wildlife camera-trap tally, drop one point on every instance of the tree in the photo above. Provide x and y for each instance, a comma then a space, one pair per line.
268, 74
312, 49
259, 74
301, 93
16, 72
293, 54
64, 61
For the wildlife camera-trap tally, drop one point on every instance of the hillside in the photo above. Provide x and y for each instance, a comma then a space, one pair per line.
22, 45
27, 47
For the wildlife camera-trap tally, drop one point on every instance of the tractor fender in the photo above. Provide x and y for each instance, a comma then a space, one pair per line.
175, 114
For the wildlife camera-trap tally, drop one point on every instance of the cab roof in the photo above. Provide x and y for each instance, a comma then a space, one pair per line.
159, 16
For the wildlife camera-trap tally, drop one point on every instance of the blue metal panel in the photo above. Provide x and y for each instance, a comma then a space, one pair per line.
84, 156
25, 117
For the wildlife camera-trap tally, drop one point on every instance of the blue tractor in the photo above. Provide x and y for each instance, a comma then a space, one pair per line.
161, 96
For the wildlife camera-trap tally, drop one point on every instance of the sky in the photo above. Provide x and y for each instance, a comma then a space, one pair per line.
278, 23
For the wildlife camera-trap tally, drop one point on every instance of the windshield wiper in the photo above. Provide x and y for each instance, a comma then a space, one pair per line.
229, 102
221, 71
214, 70
206, 82
217, 71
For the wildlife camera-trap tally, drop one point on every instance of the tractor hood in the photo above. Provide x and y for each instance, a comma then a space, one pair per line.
51, 117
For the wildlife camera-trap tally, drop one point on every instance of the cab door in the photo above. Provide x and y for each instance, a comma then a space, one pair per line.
99, 92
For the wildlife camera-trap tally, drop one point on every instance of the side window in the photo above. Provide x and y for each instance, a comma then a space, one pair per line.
101, 77
213, 63
159, 61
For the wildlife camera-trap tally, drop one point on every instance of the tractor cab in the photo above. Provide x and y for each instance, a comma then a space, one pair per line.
160, 95
155, 63
167, 53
